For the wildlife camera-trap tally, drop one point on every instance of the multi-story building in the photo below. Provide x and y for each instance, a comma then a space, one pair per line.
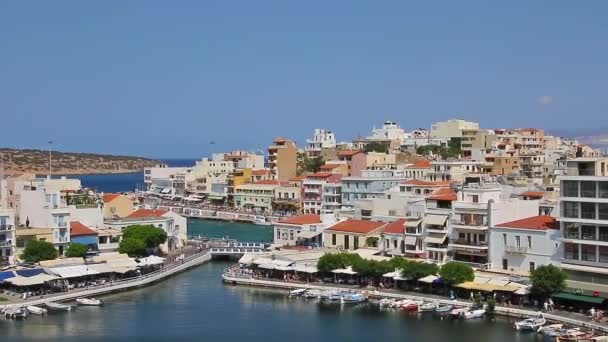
169, 180
456, 170
372, 184
389, 131
332, 197
452, 128
240, 160
303, 230
353, 234
584, 223
287, 198
118, 205
379, 160
335, 166
436, 224
506, 165
356, 161
283, 159
210, 177
7, 237
322, 139
257, 197
418, 170
313, 192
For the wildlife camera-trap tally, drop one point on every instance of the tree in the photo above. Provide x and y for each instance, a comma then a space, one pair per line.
371, 241
455, 273
37, 251
417, 270
77, 250
132, 246
151, 236
310, 164
376, 147
547, 280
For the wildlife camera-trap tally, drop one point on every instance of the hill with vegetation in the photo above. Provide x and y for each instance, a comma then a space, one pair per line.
17, 161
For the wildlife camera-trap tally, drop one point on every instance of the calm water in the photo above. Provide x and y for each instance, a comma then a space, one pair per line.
241, 231
196, 306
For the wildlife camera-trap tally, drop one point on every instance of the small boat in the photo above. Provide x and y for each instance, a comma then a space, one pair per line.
386, 302
426, 307
296, 292
412, 305
262, 221
474, 314
89, 301
312, 294
57, 306
36, 310
337, 295
530, 324
459, 312
548, 329
325, 294
444, 308
575, 335
353, 298
16, 313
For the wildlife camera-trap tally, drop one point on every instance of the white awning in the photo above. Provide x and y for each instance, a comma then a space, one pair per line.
435, 220
305, 268
428, 279
282, 262
151, 260
38, 279
165, 191
366, 252
348, 270
499, 281
268, 266
102, 268
413, 224
410, 240
435, 238
283, 268
307, 234
247, 258
524, 290
262, 260
73, 271
192, 199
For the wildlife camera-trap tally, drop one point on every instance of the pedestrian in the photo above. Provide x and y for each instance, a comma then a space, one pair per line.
551, 305
472, 297
546, 306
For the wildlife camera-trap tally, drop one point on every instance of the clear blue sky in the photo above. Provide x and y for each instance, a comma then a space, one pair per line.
163, 78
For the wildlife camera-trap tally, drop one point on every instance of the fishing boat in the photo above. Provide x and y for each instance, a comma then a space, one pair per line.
57, 306
530, 324
36, 310
296, 292
16, 313
411, 305
474, 314
427, 307
353, 298
89, 301
549, 329
459, 312
262, 221
445, 308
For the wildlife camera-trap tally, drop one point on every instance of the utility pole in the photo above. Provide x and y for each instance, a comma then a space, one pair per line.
50, 158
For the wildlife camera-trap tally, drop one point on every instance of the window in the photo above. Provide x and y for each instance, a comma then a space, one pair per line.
602, 211
571, 209
517, 241
603, 230
504, 238
529, 241
570, 189
355, 242
603, 190
505, 264
475, 198
333, 239
346, 242
603, 255
571, 251
395, 244
588, 189
571, 231
588, 253
278, 234
531, 266
588, 232
588, 211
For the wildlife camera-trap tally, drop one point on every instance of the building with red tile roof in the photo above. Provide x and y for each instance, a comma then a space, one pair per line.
443, 194
542, 222
302, 230
79, 233
302, 219
147, 213
79, 229
109, 197
421, 164
356, 226
351, 234
395, 227
531, 195
261, 172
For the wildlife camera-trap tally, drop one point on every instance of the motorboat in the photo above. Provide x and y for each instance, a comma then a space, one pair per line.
337, 295
89, 301
36, 310
57, 307
459, 312
296, 292
262, 221
426, 307
16, 313
386, 302
312, 294
575, 335
474, 314
444, 308
548, 329
412, 305
530, 324
353, 298
325, 294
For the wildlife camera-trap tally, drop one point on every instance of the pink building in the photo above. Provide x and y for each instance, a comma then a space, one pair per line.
356, 161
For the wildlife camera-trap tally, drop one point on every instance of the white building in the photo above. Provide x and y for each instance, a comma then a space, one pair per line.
7, 237
451, 128
523, 245
167, 180
389, 131
322, 139
240, 160
211, 176
303, 230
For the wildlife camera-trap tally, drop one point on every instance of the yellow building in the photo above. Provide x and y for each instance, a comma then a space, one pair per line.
352, 234
283, 159
506, 165
117, 206
23, 236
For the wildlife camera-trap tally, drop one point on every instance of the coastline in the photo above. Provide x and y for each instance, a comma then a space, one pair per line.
379, 294
80, 172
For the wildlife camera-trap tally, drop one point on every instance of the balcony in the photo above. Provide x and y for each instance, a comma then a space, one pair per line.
470, 206
516, 249
469, 244
470, 225
108, 246
5, 227
6, 243
62, 239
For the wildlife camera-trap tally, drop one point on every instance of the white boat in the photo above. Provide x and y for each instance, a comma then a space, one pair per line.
296, 292
474, 314
445, 308
459, 312
325, 294
549, 329
36, 310
262, 221
353, 298
426, 307
533, 323
16, 313
89, 301
386, 302
312, 294
57, 306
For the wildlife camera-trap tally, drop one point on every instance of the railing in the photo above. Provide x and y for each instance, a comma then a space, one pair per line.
469, 243
105, 246
6, 227
516, 249
6, 243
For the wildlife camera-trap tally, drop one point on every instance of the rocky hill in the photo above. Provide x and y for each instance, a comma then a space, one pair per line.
17, 161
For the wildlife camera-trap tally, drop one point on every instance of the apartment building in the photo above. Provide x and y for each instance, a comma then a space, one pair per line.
257, 196
240, 160
322, 139
167, 180
314, 193
283, 159
352, 234
452, 128
372, 184
302, 230
7, 237
356, 161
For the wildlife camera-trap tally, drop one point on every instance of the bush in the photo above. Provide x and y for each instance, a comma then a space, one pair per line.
491, 302
455, 273
151, 236
371, 241
37, 251
132, 246
547, 280
376, 147
77, 250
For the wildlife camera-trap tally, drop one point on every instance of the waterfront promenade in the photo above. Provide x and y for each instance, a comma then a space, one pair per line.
168, 270
570, 318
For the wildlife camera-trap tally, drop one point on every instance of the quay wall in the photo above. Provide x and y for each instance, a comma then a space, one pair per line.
500, 310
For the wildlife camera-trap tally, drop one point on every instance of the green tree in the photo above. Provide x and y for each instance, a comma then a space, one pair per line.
151, 236
132, 246
455, 273
37, 251
417, 270
376, 147
310, 164
371, 241
491, 305
77, 250
547, 280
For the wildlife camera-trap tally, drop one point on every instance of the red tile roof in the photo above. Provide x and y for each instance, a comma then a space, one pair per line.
418, 182
443, 194
260, 172
303, 219
321, 175
268, 182
532, 194
141, 213
348, 153
298, 178
542, 222
356, 226
395, 227
110, 197
422, 164
330, 166
78, 229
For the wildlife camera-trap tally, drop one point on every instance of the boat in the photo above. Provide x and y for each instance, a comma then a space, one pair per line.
325, 294
57, 307
444, 308
459, 312
36, 310
296, 292
549, 329
575, 335
530, 324
89, 301
412, 305
262, 221
426, 307
337, 295
474, 314
312, 294
353, 298
16, 313
386, 302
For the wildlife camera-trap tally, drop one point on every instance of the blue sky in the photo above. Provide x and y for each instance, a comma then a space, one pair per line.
163, 78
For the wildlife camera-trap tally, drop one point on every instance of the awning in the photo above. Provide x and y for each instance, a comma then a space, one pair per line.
192, 199
499, 281
524, 290
410, 240
435, 220
262, 260
413, 224
348, 270
6, 275
307, 234
216, 197
487, 287
151, 260
247, 258
282, 262
165, 191
579, 298
102, 268
305, 268
366, 252
268, 266
29, 272
73, 271
435, 238
428, 279
31, 281
283, 268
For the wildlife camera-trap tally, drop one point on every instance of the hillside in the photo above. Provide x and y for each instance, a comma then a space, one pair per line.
17, 161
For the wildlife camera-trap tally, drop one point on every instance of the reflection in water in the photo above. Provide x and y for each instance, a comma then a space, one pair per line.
196, 306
